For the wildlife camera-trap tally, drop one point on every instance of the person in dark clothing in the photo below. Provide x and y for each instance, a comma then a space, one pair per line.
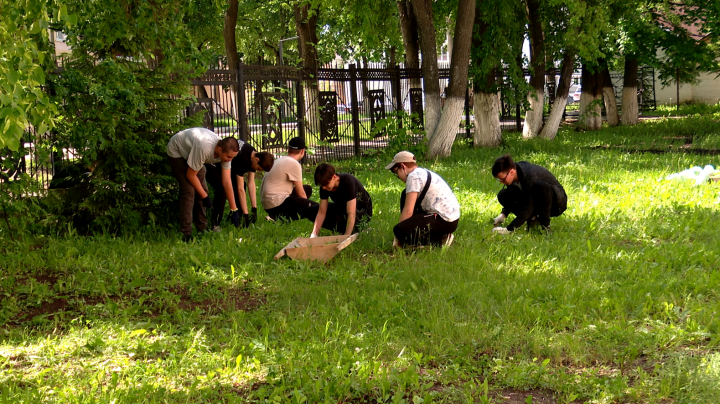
351, 203
532, 193
247, 161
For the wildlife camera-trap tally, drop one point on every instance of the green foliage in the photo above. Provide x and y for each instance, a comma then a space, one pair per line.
403, 133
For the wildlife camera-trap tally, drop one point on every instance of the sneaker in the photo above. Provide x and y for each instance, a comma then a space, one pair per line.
448, 240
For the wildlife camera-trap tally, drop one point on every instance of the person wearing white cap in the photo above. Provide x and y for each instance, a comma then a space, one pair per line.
429, 210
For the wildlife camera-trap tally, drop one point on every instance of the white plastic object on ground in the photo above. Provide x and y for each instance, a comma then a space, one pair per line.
700, 175
500, 230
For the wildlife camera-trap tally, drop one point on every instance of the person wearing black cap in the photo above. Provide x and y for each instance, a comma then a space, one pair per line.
247, 161
282, 192
532, 193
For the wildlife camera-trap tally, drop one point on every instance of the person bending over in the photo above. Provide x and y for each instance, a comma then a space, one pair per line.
188, 151
429, 210
247, 161
531, 192
351, 203
282, 192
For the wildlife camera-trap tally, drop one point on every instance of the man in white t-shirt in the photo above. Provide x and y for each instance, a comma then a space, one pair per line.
429, 212
188, 151
282, 192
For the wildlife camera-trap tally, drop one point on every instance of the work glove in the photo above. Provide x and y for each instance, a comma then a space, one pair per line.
207, 202
246, 220
235, 218
499, 219
500, 230
313, 235
253, 215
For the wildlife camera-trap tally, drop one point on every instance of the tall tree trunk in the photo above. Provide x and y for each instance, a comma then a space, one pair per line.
232, 56
590, 110
444, 134
609, 96
549, 130
450, 40
486, 108
422, 9
409, 30
536, 97
306, 27
629, 114
391, 53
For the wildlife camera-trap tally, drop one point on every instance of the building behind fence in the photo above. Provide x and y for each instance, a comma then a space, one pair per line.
336, 111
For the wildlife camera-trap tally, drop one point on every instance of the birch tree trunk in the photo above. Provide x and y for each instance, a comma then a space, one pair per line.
422, 9
549, 130
609, 97
629, 115
536, 97
444, 134
409, 31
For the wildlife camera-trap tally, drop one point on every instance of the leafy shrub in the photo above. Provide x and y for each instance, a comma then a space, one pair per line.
403, 132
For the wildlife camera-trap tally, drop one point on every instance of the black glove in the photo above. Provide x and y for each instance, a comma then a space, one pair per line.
207, 202
235, 218
253, 215
246, 220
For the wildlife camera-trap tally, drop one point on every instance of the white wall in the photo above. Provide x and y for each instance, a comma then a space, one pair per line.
708, 90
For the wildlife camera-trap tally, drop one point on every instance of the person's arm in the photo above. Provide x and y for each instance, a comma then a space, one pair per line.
351, 209
299, 191
410, 199
251, 189
195, 182
320, 218
227, 185
241, 193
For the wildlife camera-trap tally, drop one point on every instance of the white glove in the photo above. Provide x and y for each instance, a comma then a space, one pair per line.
313, 235
499, 219
500, 230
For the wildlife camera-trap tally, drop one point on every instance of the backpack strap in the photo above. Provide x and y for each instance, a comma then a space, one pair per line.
421, 197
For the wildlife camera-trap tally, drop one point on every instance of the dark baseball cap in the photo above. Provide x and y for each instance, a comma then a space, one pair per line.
296, 143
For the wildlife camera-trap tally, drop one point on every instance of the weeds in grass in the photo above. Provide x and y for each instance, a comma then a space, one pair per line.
619, 304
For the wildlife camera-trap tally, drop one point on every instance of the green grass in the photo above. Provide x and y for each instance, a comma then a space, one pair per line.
618, 305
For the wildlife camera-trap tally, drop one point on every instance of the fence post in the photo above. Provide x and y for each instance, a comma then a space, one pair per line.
467, 111
355, 107
300, 105
397, 89
242, 111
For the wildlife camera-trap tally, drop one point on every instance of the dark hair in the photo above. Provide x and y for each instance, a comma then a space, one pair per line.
323, 174
229, 144
266, 160
502, 164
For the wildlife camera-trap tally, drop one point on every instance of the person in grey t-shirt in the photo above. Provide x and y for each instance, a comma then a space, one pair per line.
188, 151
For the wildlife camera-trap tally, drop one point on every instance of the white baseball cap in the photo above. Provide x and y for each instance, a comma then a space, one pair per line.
402, 157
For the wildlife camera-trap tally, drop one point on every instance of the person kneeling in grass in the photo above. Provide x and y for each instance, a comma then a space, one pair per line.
282, 192
429, 210
532, 193
351, 204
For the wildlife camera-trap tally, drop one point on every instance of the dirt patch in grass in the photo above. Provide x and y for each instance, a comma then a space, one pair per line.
670, 149
510, 396
237, 299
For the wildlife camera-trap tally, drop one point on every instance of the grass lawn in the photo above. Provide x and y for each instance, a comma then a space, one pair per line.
618, 305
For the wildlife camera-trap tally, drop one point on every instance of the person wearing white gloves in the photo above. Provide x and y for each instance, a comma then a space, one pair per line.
531, 193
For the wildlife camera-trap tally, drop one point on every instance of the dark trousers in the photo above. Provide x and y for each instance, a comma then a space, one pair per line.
214, 179
422, 228
293, 207
541, 200
336, 217
191, 209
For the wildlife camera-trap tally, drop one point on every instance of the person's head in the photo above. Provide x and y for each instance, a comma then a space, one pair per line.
227, 149
262, 161
402, 164
325, 177
296, 148
504, 170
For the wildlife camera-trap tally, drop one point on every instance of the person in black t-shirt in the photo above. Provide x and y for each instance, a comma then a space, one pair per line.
350, 207
247, 161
